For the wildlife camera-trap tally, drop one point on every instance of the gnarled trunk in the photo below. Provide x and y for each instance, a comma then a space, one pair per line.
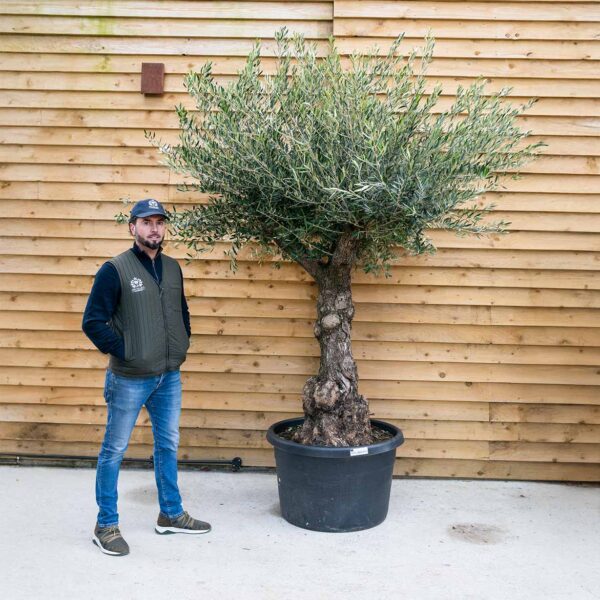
335, 413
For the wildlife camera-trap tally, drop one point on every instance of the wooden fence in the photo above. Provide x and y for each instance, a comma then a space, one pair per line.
486, 354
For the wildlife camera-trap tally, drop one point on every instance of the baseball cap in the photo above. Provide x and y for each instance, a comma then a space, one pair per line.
146, 208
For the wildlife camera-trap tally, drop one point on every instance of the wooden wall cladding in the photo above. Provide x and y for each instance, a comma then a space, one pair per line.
486, 354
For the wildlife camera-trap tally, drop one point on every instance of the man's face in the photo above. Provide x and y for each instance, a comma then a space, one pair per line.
149, 231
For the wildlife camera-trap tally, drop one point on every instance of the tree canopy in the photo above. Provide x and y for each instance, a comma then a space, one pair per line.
322, 151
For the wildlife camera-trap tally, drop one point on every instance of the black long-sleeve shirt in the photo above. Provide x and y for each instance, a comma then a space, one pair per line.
105, 297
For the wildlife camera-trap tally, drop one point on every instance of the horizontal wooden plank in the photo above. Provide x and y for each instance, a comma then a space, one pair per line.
74, 399
98, 218
398, 313
250, 457
370, 312
509, 26
502, 437
404, 467
421, 448
368, 331
129, 157
62, 99
506, 28
533, 433
253, 287
41, 246
94, 192
585, 453
132, 138
407, 467
217, 45
365, 350
164, 9
152, 174
92, 396
54, 145
96, 415
231, 46
231, 65
299, 9
261, 26
389, 370
292, 384
26, 327
75, 275
542, 202
192, 46
521, 240
527, 413
83, 136
443, 449
446, 258
75, 193
389, 332
586, 184
69, 155
212, 419
159, 119
150, 119
368, 350
565, 231
522, 219
454, 410
382, 9
173, 84
67, 333
372, 293
85, 405
362, 294
477, 48
188, 436
44, 321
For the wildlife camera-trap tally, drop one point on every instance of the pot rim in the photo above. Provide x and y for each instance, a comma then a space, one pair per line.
328, 452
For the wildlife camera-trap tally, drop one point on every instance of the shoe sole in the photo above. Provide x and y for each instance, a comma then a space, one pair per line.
96, 542
167, 530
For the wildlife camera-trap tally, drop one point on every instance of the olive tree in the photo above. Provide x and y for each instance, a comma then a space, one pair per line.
336, 165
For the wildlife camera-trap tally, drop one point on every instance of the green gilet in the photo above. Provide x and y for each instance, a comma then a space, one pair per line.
148, 318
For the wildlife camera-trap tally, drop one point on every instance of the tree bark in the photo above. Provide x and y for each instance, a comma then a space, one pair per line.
335, 413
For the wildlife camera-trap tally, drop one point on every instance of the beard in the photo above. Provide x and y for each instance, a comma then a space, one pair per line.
151, 244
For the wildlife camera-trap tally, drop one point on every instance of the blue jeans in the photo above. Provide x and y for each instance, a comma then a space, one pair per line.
125, 397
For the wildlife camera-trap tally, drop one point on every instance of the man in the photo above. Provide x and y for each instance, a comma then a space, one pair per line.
137, 313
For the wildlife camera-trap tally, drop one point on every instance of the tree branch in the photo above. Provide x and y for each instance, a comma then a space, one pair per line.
310, 265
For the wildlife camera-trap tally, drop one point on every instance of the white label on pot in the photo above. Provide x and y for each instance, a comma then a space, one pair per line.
359, 451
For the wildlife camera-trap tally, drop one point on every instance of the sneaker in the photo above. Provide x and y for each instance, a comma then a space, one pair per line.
182, 524
110, 541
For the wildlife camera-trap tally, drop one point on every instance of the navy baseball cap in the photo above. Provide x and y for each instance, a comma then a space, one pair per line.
146, 208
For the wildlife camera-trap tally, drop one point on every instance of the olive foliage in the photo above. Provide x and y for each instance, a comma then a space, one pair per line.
327, 147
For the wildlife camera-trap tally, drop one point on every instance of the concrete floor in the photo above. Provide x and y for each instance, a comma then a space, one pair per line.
443, 539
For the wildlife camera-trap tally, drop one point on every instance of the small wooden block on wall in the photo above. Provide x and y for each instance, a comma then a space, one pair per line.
153, 78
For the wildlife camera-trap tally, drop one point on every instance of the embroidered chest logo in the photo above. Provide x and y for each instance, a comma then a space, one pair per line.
152, 203
137, 285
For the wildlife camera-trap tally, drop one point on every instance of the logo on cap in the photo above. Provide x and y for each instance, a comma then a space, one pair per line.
137, 285
152, 203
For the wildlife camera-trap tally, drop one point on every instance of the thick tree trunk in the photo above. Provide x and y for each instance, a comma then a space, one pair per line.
335, 413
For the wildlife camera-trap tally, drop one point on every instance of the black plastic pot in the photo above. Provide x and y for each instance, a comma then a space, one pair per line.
334, 489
